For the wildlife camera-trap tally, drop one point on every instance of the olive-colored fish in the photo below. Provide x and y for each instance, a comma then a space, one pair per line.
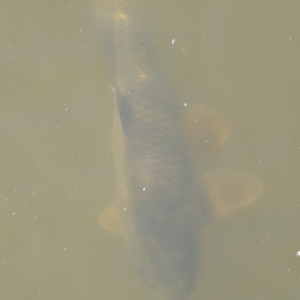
159, 200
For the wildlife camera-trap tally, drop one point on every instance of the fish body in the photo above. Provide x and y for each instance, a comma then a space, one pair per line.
153, 171
160, 205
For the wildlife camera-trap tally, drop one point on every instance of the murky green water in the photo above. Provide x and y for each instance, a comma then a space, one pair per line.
241, 59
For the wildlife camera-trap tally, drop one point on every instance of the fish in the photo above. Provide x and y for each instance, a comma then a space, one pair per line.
160, 204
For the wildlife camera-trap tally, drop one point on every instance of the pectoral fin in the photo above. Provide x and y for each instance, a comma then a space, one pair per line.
203, 128
230, 190
110, 219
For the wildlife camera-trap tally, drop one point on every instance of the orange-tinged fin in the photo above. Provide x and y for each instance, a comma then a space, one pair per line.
203, 128
230, 190
110, 219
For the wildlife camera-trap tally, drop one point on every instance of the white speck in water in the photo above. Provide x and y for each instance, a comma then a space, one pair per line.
185, 104
13, 213
298, 254
144, 189
173, 41
124, 209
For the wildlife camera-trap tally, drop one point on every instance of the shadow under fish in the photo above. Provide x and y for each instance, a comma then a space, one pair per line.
160, 203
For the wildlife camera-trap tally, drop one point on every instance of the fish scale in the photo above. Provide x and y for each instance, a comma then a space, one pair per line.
160, 206
157, 212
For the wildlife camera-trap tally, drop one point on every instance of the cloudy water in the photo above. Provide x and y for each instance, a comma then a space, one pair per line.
57, 173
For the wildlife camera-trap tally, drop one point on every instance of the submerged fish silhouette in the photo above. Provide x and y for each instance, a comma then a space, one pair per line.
160, 206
